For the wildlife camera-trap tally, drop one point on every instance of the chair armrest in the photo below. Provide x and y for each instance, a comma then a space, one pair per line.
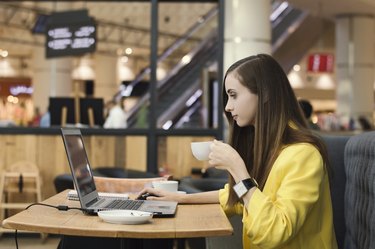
193, 185
121, 185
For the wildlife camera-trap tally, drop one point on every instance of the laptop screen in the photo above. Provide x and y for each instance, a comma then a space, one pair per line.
80, 164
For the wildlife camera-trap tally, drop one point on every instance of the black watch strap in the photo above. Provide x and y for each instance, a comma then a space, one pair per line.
244, 186
250, 183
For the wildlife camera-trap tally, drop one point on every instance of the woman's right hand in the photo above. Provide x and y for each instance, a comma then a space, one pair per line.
161, 195
225, 157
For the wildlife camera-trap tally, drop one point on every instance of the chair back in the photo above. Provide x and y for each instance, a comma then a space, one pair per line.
360, 191
23, 175
335, 149
23, 167
125, 185
62, 182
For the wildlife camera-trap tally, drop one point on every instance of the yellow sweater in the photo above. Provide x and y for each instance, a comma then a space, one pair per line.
294, 209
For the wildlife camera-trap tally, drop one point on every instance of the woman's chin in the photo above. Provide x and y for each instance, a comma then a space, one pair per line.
239, 124
242, 125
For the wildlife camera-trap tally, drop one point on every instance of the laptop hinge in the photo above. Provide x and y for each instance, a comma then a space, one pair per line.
92, 202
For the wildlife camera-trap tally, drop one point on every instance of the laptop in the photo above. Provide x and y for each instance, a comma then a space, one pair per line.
84, 183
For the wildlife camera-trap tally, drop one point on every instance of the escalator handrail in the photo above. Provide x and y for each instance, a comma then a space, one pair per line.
174, 71
280, 40
175, 45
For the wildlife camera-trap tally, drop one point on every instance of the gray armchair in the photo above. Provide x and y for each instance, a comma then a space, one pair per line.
336, 148
360, 192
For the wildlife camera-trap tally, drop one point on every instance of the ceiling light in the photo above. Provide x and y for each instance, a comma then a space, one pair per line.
4, 53
237, 39
128, 51
297, 68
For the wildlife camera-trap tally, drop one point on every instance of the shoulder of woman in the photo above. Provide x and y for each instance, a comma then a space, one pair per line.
299, 152
298, 156
299, 147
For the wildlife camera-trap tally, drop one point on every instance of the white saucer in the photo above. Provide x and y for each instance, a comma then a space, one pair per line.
181, 192
128, 217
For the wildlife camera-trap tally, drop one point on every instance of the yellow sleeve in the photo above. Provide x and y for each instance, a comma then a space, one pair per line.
223, 198
276, 214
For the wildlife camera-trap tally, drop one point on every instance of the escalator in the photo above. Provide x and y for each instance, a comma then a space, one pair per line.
180, 93
182, 84
294, 32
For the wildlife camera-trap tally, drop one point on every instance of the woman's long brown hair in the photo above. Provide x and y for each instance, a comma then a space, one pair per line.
279, 121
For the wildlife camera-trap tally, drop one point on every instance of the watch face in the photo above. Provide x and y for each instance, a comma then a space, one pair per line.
240, 189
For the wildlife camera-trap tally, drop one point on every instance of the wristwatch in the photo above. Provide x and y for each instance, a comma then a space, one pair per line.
244, 186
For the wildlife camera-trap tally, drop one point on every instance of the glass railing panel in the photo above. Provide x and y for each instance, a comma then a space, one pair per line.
188, 85
181, 93
175, 59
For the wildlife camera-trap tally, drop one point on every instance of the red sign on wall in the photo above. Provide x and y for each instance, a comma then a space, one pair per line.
320, 63
15, 87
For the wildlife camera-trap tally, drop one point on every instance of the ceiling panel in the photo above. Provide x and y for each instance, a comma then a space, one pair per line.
126, 23
331, 8
132, 20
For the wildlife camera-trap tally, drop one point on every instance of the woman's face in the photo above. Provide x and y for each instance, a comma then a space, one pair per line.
242, 103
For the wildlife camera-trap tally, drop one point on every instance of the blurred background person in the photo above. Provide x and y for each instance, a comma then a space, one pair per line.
20, 114
307, 109
365, 124
35, 121
45, 120
117, 117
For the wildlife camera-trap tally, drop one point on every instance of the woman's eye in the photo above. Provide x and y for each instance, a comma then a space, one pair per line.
233, 96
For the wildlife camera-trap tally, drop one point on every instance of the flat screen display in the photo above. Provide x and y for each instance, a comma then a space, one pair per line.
80, 164
70, 33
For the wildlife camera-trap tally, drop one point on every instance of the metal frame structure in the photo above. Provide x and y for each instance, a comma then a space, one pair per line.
152, 132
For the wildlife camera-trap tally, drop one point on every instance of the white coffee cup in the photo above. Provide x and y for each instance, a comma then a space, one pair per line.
201, 150
171, 186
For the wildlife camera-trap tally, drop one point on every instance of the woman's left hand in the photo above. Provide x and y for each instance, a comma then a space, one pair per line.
223, 156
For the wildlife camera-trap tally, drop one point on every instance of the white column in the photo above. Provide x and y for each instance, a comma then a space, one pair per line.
51, 78
355, 35
247, 29
106, 82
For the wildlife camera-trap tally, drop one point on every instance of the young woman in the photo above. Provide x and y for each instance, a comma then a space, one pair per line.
278, 169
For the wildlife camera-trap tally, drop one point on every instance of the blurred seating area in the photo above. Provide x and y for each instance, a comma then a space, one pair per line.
207, 180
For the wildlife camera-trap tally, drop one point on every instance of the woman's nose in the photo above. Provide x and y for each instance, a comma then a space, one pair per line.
228, 107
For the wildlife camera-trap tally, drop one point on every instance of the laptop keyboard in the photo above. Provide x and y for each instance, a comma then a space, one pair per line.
125, 204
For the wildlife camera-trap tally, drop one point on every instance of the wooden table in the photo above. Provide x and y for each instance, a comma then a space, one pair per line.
190, 221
